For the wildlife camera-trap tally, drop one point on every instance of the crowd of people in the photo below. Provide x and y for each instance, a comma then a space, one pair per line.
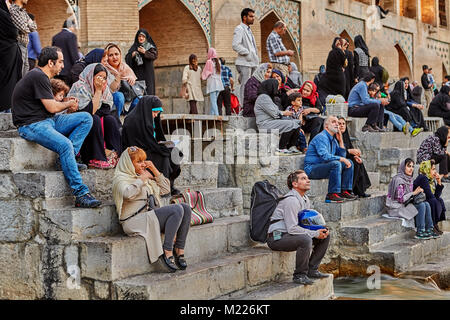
72, 106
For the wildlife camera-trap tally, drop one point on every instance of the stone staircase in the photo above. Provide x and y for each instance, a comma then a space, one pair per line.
58, 251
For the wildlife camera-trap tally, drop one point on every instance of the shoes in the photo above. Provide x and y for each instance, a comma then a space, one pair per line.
405, 128
422, 235
334, 198
168, 263
294, 150
180, 261
378, 128
100, 164
87, 201
282, 152
416, 131
348, 195
174, 192
437, 230
369, 128
432, 234
302, 279
365, 195
316, 274
80, 166
304, 150
445, 180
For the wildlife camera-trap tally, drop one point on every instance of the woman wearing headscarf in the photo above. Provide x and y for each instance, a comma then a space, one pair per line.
349, 69
430, 181
362, 57
192, 79
102, 145
361, 180
10, 57
435, 148
262, 72
398, 105
294, 79
142, 128
137, 187
400, 191
140, 58
282, 99
269, 117
123, 75
377, 70
319, 76
333, 81
93, 56
440, 105
415, 107
212, 74
312, 108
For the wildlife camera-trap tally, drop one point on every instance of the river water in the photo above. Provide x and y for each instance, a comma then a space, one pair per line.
390, 289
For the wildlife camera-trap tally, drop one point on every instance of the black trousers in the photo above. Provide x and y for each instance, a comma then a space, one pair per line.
289, 139
443, 161
373, 111
193, 107
225, 98
304, 260
313, 126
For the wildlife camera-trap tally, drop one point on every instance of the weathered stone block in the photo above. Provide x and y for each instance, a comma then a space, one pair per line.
17, 221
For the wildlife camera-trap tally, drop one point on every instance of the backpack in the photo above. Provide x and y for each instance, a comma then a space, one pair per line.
264, 200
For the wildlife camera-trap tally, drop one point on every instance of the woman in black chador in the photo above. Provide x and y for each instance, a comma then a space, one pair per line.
142, 128
140, 58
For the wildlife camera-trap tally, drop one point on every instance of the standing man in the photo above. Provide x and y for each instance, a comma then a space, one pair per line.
245, 45
34, 111
67, 41
326, 159
228, 85
427, 85
34, 46
285, 234
25, 25
278, 55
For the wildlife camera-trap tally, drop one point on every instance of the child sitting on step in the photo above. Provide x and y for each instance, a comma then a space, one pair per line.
296, 108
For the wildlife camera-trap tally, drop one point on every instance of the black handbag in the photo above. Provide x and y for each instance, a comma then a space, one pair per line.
131, 92
416, 199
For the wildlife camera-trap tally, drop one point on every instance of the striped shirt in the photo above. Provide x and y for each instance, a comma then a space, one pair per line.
274, 45
226, 75
23, 22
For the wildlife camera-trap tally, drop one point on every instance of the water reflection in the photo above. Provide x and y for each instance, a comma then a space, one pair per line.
391, 289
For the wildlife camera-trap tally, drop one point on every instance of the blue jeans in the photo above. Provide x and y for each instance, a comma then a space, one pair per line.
214, 108
397, 120
134, 103
301, 142
63, 134
339, 177
423, 218
119, 101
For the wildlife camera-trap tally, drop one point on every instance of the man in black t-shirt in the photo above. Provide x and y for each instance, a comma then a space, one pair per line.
33, 111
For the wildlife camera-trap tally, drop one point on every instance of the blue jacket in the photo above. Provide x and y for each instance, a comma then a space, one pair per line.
359, 96
34, 45
323, 148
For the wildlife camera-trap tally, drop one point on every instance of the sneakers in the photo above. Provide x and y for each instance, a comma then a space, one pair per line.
294, 150
416, 131
87, 201
432, 234
302, 279
348, 195
333, 197
369, 128
405, 128
282, 152
422, 235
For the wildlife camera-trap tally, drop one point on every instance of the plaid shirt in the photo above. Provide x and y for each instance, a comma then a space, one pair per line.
296, 114
274, 45
226, 75
23, 22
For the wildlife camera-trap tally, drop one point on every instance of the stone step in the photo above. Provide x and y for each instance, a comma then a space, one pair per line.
112, 258
374, 178
403, 254
351, 210
6, 122
322, 289
369, 231
380, 140
211, 279
70, 224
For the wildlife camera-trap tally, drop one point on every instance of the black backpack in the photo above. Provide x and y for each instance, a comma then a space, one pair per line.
264, 200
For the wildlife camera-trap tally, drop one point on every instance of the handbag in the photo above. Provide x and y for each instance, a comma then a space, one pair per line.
131, 92
196, 202
416, 199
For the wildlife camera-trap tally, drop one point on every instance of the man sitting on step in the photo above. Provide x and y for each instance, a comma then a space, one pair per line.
326, 159
287, 235
33, 111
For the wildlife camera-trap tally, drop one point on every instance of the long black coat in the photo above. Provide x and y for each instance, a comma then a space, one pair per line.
333, 81
68, 43
10, 57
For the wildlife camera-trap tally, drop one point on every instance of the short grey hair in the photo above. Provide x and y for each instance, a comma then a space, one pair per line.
279, 24
328, 120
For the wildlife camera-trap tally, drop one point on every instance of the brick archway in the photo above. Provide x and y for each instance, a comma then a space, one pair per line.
176, 35
49, 24
267, 22
404, 70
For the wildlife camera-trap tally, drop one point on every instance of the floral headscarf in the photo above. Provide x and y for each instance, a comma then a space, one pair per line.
84, 89
425, 169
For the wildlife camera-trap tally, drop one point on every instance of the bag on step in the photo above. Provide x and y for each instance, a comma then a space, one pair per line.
264, 200
196, 201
